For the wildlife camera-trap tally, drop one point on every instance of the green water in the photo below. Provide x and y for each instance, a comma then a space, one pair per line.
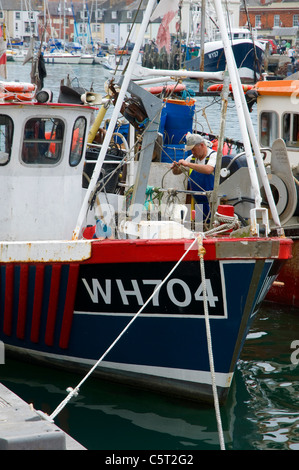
262, 412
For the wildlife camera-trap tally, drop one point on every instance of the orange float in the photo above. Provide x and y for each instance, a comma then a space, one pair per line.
219, 87
156, 90
17, 91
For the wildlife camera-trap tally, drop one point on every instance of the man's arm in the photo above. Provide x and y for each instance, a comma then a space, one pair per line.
205, 169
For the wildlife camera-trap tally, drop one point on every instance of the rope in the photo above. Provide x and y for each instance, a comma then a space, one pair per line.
201, 252
74, 391
223, 223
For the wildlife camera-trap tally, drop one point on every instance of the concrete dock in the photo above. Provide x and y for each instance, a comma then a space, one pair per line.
22, 428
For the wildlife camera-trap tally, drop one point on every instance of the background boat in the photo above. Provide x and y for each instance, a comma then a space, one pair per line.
87, 59
248, 53
61, 57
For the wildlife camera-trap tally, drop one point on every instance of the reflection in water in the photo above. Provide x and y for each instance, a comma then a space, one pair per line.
272, 380
261, 412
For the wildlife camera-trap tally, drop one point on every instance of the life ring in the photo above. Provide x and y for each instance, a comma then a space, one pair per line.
17, 87
156, 90
220, 86
10, 96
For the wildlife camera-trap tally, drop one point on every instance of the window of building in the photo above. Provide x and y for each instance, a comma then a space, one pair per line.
18, 15
276, 21
96, 28
129, 15
258, 21
114, 15
112, 28
268, 128
6, 134
76, 150
42, 142
295, 20
290, 129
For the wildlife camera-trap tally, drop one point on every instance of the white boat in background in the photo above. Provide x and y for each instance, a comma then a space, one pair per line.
20, 55
61, 57
10, 55
113, 61
87, 59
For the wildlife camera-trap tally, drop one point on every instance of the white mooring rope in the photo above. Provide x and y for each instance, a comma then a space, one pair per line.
201, 252
75, 391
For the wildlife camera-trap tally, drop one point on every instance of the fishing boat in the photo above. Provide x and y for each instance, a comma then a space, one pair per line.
248, 53
93, 279
278, 118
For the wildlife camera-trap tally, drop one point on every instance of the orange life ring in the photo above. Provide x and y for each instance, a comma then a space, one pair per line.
10, 96
17, 87
156, 90
220, 86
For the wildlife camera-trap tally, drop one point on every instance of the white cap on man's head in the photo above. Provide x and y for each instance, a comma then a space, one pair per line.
194, 139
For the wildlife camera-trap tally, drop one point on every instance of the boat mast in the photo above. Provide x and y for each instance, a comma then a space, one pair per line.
202, 42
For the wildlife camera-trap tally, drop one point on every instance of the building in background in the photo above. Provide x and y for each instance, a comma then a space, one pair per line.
277, 20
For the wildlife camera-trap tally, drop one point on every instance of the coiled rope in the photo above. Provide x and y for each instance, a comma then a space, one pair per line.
223, 223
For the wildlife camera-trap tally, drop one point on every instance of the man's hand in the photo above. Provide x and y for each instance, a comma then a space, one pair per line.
176, 168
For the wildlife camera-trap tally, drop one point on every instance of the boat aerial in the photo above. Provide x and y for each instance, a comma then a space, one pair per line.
103, 265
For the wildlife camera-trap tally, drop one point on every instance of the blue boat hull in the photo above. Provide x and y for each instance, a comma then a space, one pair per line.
85, 306
249, 61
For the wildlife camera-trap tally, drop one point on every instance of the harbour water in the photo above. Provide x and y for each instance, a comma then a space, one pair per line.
262, 412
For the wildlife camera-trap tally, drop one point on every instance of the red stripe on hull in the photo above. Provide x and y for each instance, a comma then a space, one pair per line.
22, 306
69, 306
37, 303
53, 302
9, 282
126, 251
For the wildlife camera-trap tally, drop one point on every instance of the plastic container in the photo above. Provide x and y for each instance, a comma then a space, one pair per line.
179, 120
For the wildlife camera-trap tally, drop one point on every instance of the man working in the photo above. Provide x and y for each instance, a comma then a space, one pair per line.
201, 168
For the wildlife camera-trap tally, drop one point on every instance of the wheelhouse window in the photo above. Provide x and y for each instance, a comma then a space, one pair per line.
76, 150
290, 129
6, 134
268, 128
42, 141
